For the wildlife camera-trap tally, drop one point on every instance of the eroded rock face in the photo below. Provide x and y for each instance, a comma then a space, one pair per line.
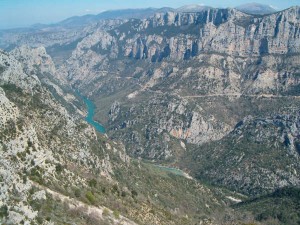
8, 110
9, 66
34, 60
204, 37
225, 31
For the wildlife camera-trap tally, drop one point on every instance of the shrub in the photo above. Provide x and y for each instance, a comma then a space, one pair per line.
115, 189
93, 183
3, 211
116, 214
89, 195
39, 220
36, 175
134, 193
105, 212
77, 193
123, 194
59, 168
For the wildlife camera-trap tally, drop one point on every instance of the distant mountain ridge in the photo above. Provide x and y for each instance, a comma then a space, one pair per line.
256, 8
144, 13
114, 14
193, 8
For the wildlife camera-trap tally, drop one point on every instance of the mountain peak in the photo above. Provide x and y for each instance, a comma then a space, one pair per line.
256, 8
193, 8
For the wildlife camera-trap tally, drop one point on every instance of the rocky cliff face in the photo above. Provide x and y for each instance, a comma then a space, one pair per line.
183, 35
34, 59
236, 52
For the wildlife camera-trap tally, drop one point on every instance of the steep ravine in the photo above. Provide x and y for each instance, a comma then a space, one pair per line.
174, 86
187, 90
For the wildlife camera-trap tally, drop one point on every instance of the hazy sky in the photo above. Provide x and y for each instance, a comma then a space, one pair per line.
20, 13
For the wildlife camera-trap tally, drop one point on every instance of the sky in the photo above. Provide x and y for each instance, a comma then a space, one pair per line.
23, 13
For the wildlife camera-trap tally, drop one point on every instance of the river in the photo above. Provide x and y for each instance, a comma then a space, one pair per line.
91, 113
174, 171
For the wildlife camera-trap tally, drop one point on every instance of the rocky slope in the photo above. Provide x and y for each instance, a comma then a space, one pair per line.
40, 143
271, 208
260, 155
